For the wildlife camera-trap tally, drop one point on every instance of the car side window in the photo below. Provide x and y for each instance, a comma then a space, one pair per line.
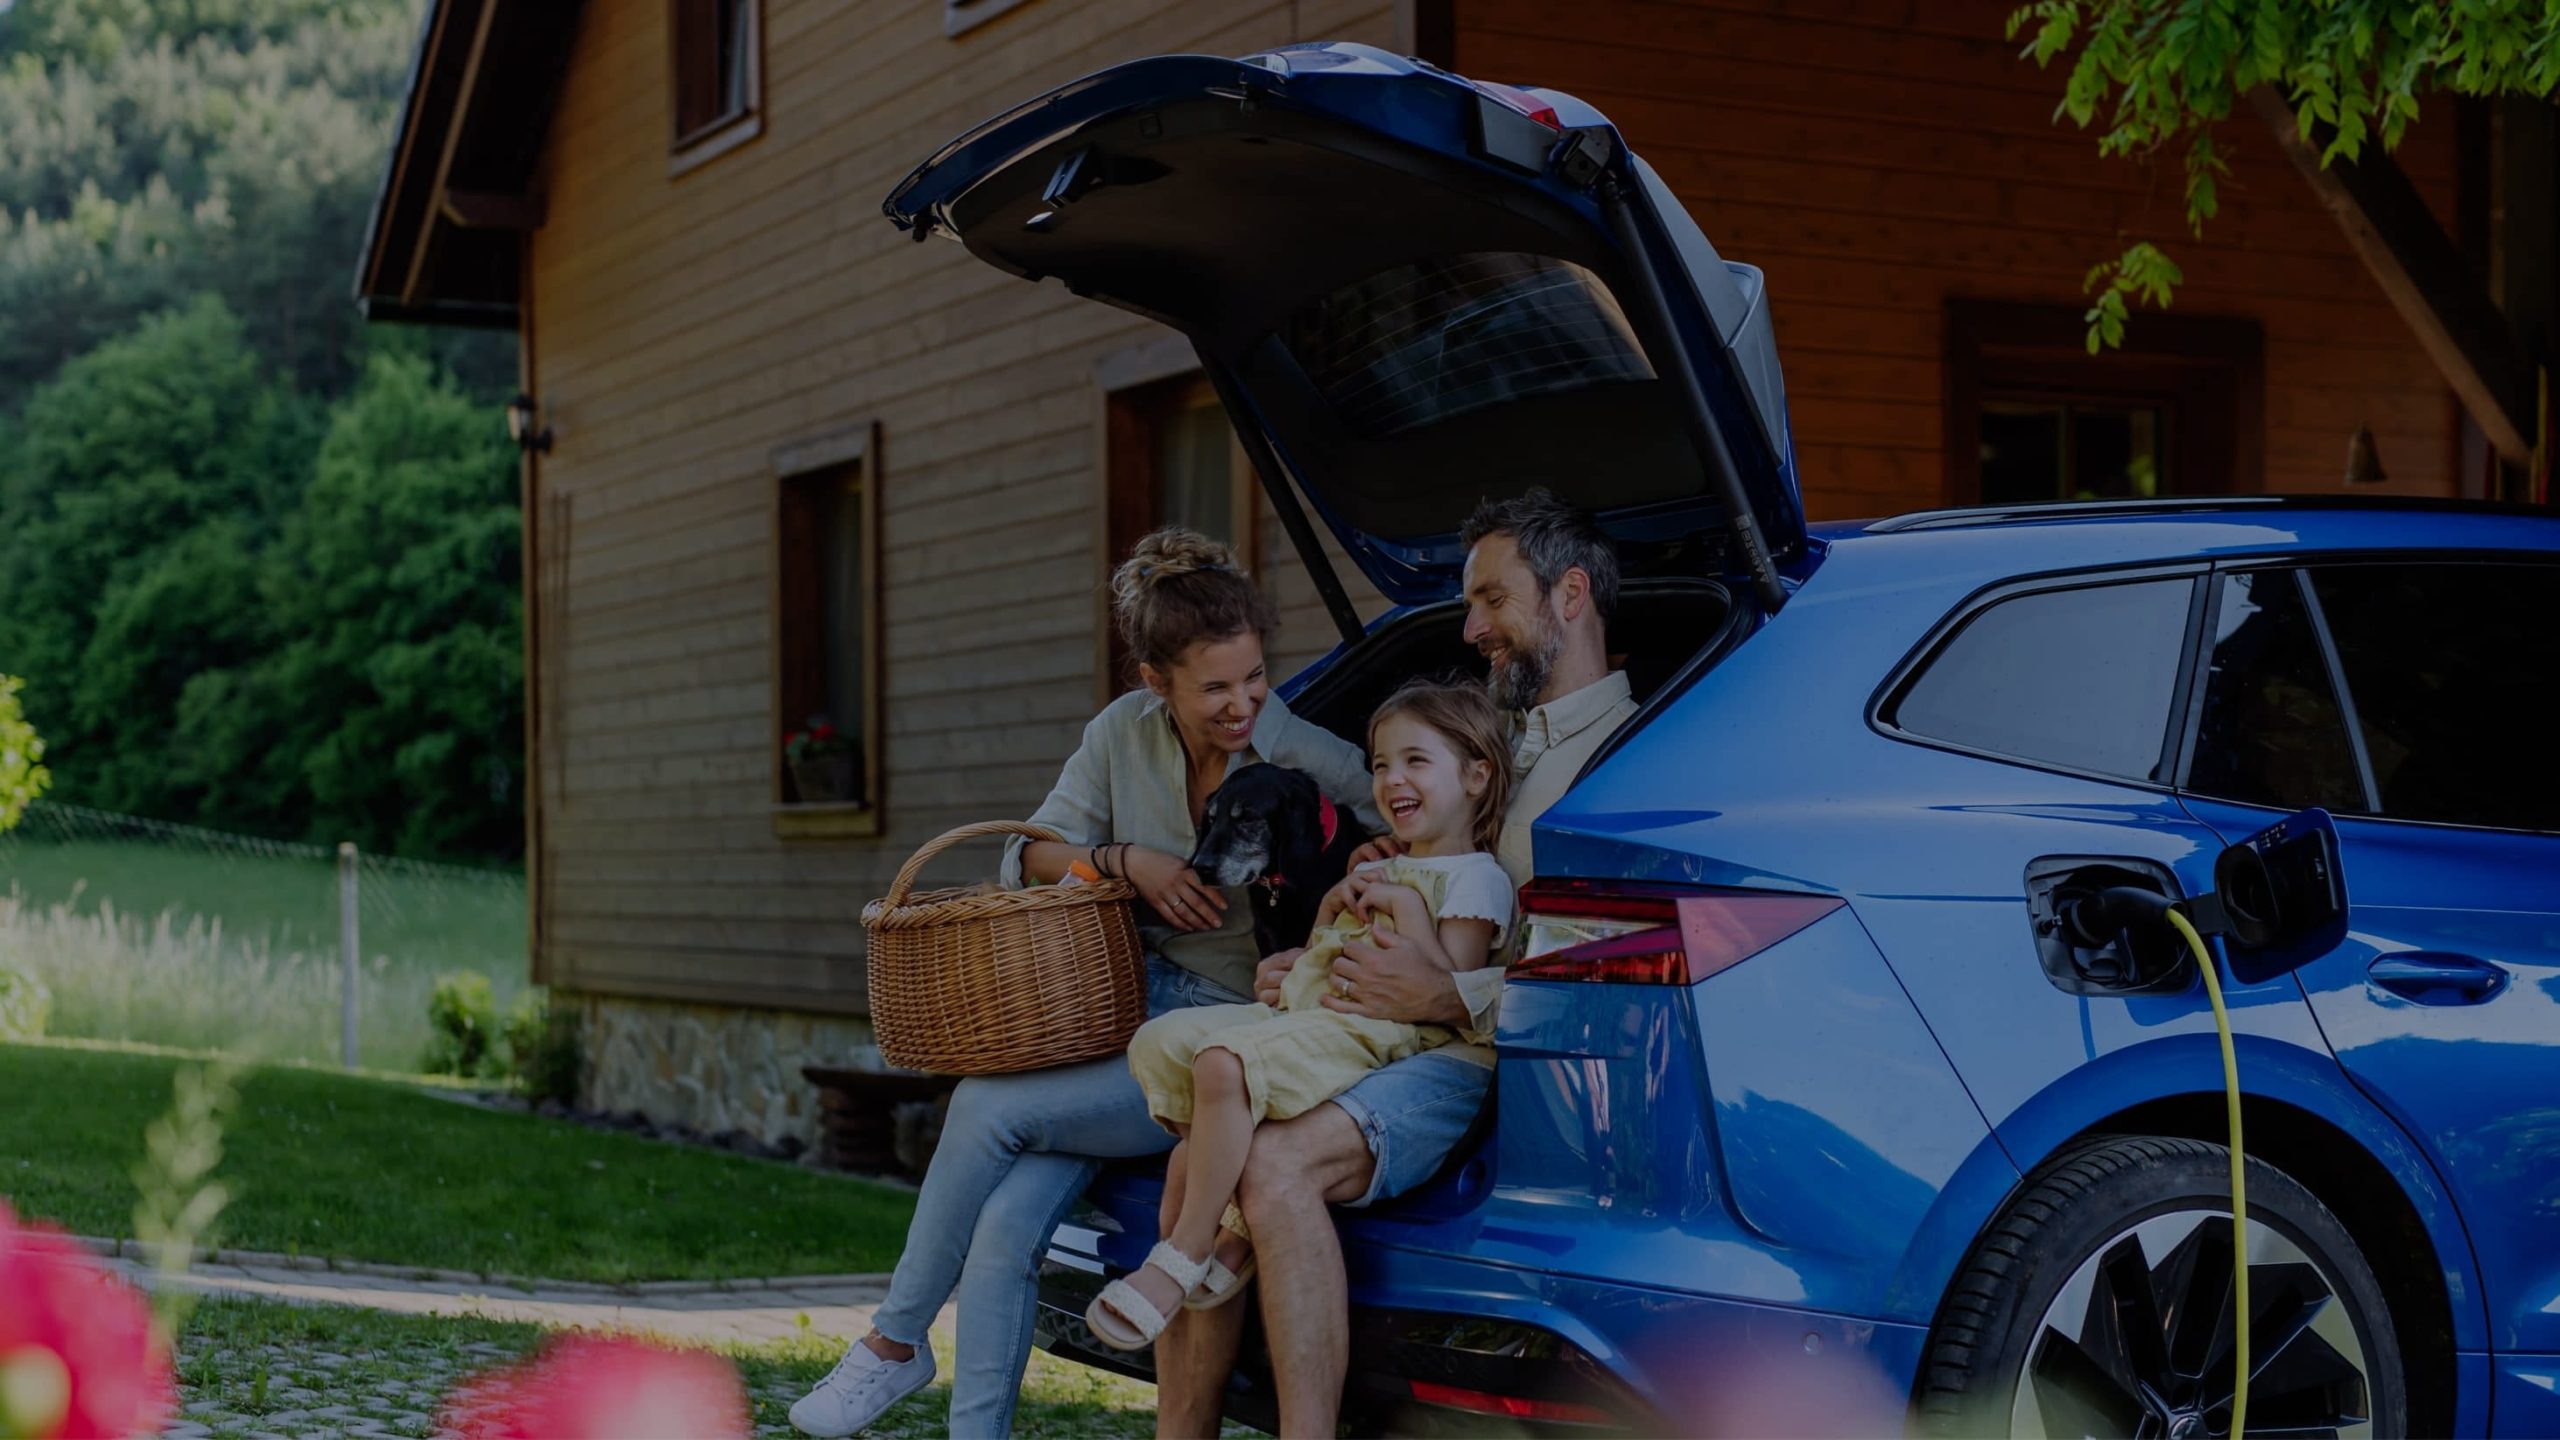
2272, 731
2082, 678
2454, 670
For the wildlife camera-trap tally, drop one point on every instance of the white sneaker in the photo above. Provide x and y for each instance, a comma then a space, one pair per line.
860, 1387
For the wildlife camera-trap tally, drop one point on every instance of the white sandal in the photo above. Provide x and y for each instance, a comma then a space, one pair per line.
1220, 1284
1123, 1318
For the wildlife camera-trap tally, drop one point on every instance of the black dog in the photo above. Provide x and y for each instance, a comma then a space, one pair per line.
1269, 827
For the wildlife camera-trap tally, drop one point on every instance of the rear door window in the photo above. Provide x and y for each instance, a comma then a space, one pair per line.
2454, 673
2084, 679
2271, 729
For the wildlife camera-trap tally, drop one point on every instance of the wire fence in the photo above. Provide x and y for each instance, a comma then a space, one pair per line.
146, 930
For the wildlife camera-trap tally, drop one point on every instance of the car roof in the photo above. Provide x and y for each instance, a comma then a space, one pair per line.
1985, 545
2198, 505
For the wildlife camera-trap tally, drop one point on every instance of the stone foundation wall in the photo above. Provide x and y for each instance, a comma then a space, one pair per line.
713, 1068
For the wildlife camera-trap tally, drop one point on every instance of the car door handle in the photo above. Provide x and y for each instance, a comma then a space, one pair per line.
2432, 977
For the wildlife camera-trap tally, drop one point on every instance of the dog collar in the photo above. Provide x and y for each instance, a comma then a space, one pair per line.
1327, 817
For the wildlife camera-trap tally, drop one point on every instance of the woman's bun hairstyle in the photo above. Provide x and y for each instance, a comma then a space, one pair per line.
1179, 588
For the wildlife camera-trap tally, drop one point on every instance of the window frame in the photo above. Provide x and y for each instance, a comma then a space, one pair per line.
688, 149
1881, 703
2207, 374
2302, 566
852, 454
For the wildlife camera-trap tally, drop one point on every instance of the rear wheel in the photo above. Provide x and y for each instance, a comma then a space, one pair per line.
2099, 1303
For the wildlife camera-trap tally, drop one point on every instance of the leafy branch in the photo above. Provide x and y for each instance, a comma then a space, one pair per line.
2151, 74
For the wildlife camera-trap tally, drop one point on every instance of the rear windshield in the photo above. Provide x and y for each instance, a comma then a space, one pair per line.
1417, 344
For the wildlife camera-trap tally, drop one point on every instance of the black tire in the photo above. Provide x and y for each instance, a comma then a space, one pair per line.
2080, 1212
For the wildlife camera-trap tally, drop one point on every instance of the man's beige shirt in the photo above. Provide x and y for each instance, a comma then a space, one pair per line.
1549, 747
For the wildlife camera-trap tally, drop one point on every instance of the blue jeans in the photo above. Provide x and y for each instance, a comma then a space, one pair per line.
1016, 1151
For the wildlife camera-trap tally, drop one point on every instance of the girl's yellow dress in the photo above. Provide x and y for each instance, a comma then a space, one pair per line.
1301, 1055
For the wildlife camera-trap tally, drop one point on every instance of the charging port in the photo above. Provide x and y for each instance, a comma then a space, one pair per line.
2092, 916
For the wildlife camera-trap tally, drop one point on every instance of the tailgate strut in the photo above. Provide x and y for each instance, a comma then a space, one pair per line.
1284, 501
1664, 342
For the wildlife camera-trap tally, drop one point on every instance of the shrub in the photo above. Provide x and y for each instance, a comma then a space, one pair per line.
25, 1005
463, 1012
22, 779
543, 1057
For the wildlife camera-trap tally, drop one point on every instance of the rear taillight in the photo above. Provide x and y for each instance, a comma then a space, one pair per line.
1513, 97
1579, 930
1510, 1407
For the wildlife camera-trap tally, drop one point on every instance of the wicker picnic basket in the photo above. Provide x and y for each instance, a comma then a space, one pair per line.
986, 982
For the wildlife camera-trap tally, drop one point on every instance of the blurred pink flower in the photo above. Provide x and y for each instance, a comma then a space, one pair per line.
78, 1360
588, 1388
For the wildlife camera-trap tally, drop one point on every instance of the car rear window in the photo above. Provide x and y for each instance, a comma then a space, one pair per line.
1422, 342
2084, 679
2454, 672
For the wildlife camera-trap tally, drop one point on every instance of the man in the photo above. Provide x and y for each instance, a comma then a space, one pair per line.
1541, 580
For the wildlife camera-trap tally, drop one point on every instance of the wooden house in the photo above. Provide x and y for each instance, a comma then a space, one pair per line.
781, 462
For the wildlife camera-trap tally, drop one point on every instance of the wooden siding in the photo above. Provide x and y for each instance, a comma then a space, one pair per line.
690, 324
1876, 157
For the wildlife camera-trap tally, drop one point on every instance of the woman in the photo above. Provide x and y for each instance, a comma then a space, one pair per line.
1017, 1150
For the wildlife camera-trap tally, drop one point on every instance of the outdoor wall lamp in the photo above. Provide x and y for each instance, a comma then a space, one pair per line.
521, 418
2364, 462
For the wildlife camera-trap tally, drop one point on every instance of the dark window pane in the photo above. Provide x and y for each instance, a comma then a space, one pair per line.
2081, 678
2455, 673
2043, 450
1417, 344
842, 586
2272, 731
1195, 471
2021, 453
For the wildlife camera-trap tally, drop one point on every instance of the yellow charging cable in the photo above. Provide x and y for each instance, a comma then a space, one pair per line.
2239, 1187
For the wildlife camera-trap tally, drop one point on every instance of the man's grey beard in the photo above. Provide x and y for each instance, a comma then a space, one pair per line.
1520, 677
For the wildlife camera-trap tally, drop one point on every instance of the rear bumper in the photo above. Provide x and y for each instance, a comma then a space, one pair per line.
1497, 1349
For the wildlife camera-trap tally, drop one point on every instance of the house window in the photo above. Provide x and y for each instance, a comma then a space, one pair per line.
719, 76
827, 772
2033, 417
1172, 460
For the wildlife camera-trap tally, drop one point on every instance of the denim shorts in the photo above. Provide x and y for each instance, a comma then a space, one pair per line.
1413, 1113
1171, 987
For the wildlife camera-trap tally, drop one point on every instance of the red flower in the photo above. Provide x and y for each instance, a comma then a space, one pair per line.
77, 1357
824, 732
584, 1387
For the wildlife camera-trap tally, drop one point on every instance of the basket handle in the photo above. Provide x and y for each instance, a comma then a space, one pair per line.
899, 888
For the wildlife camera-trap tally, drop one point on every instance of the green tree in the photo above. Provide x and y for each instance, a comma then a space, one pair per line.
396, 584
115, 598
2166, 72
209, 153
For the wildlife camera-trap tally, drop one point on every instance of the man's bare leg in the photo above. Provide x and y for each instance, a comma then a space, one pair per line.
1194, 1356
1296, 1168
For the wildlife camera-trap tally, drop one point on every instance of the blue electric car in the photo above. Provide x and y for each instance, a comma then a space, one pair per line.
1802, 1086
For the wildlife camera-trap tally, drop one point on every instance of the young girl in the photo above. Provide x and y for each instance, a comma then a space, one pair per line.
1440, 772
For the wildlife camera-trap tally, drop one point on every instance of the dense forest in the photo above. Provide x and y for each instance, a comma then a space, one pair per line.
258, 559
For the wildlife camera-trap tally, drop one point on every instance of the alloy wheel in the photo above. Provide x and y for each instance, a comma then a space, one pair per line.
2138, 1342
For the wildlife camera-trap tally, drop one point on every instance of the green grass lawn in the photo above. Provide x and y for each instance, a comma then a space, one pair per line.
321, 1163
248, 956
254, 1360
